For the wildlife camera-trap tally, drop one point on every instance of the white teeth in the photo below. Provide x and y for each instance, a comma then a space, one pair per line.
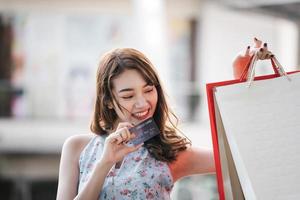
141, 114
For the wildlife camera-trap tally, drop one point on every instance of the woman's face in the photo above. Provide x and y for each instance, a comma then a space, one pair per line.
137, 99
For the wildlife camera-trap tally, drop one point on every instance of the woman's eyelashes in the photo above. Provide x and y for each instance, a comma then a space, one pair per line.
148, 90
127, 97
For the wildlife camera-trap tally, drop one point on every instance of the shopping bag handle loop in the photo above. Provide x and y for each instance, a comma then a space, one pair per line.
249, 71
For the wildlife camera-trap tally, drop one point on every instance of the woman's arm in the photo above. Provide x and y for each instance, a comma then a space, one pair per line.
193, 160
69, 169
93, 187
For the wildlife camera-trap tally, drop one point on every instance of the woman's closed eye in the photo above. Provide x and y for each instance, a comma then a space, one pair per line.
149, 89
127, 97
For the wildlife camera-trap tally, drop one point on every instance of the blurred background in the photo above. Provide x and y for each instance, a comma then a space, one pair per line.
49, 51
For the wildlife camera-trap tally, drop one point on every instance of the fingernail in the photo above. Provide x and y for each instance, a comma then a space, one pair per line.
248, 47
261, 49
272, 56
265, 45
255, 39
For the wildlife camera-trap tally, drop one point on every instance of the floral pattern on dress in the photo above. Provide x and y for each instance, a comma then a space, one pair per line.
140, 176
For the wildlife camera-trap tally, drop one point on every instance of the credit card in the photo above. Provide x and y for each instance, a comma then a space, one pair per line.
144, 131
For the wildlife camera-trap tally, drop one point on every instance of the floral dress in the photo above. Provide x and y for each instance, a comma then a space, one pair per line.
140, 176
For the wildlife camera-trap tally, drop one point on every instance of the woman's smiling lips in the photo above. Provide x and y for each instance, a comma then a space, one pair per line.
141, 115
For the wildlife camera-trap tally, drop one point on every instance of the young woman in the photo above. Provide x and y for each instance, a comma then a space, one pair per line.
104, 165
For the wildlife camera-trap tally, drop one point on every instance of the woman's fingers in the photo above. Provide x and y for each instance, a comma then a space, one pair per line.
267, 54
257, 43
122, 135
125, 134
124, 124
247, 52
262, 50
265, 47
264, 54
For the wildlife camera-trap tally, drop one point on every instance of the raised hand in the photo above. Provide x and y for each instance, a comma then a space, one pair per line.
115, 147
242, 59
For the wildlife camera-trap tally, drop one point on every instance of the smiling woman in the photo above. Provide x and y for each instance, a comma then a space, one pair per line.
106, 165
137, 98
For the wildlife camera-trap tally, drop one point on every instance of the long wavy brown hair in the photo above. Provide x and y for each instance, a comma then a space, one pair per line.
169, 142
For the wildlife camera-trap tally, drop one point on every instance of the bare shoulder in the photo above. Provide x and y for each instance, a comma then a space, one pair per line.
81, 139
69, 170
75, 144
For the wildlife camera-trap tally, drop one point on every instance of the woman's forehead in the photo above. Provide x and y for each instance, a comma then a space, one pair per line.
129, 79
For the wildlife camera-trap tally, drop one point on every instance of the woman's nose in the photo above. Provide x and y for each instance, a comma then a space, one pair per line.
141, 102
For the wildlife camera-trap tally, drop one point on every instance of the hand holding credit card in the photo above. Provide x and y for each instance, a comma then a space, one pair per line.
144, 131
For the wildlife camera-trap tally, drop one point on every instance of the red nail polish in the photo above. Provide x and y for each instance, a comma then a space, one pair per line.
265, 45
248, 47
261, 49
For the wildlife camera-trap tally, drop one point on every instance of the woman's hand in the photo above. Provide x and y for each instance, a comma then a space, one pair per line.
115, 146
241, 61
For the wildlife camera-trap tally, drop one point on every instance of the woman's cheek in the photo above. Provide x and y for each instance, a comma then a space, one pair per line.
154, 103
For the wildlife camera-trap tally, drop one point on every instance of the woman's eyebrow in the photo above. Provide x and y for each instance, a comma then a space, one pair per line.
131, 89
147, 84
125, 90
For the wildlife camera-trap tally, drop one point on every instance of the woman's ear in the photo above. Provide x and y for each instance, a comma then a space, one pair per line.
110, 106
108, 103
